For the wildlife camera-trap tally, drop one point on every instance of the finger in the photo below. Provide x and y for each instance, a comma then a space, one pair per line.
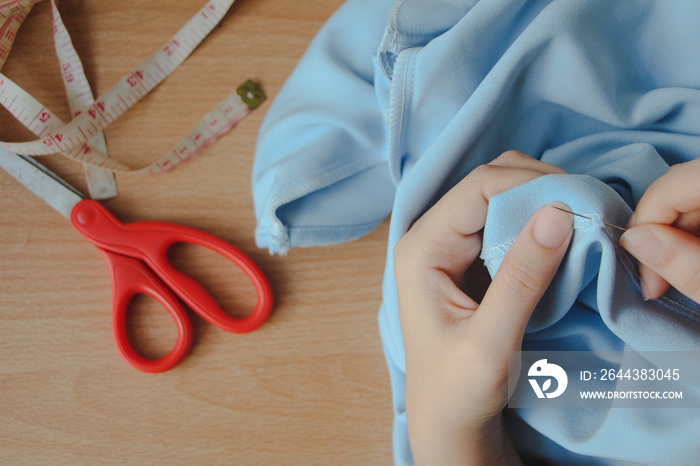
671, 253
670, 195
652, 284
515, 159
432, 257
524, 275
446, 236
689, 222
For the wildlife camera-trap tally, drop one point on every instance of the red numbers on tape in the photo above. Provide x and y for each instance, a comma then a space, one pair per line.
74, 139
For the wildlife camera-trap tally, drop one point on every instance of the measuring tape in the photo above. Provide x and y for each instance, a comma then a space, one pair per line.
83, 139
100, 181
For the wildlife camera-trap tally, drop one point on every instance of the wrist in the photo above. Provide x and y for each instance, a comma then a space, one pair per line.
485, 444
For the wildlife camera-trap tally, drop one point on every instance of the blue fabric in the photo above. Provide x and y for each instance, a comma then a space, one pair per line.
396, 101
595, 304
323, 140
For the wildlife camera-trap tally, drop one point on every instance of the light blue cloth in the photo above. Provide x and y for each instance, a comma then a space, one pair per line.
395, 102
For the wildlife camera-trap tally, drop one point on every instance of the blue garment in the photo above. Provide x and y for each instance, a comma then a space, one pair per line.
395, 101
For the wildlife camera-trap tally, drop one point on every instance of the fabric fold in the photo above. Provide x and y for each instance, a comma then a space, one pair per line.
396, 101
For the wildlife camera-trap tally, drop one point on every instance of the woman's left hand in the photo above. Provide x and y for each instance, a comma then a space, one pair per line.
457, 349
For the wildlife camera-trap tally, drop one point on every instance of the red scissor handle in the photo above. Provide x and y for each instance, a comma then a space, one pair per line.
150, 241
129, 277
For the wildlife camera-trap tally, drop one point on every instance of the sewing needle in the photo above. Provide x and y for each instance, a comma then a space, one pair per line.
589, 218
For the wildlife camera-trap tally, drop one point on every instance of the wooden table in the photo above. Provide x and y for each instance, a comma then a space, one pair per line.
309, 387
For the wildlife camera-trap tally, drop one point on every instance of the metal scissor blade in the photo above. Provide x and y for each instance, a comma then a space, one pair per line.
41, 181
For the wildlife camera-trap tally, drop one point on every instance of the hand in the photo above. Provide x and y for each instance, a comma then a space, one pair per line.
457, 349
663, 233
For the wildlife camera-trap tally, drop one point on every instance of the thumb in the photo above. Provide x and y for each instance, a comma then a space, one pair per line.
525, 273
670, 252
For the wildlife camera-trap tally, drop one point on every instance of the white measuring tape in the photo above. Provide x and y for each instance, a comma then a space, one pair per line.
82, 139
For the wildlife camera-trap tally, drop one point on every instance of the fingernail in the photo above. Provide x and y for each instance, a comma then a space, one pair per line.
645, 290
553, 227
644, 245
631, 221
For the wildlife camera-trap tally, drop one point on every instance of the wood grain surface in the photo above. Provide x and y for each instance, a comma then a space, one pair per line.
309, 387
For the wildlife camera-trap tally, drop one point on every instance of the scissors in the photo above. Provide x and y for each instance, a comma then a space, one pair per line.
136, 254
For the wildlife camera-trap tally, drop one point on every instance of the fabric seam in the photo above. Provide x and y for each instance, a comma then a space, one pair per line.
499, 251
400, 98
278, 231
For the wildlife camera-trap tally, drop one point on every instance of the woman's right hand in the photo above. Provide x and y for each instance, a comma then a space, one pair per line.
664, 233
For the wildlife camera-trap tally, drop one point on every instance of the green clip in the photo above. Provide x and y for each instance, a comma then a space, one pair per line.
251, 94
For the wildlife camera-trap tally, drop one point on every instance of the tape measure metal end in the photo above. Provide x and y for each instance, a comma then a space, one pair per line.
251, 94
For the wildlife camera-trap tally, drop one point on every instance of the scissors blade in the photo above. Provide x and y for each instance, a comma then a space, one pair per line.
41, 181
